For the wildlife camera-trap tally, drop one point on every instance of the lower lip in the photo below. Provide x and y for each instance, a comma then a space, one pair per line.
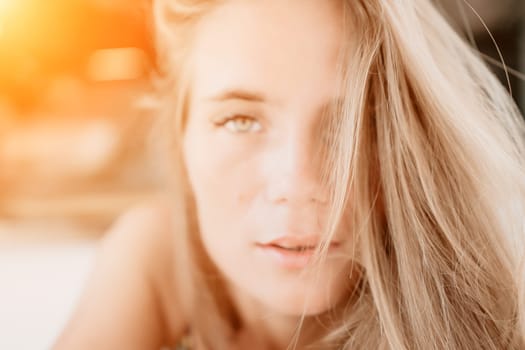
288, 259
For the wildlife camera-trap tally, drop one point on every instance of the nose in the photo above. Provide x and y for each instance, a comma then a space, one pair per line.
293, 171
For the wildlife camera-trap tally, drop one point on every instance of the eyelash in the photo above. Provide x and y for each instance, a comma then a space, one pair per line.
229, 123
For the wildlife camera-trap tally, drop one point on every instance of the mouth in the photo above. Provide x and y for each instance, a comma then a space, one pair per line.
292, 252
297, 243
298, 249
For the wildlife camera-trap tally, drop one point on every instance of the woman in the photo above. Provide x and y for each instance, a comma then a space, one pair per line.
344, 175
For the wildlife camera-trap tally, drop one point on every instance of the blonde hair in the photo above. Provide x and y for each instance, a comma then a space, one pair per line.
433, 149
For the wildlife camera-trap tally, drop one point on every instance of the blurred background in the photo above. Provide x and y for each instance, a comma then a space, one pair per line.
74, 149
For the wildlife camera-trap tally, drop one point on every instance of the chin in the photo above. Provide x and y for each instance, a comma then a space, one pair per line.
307, 309
304, 301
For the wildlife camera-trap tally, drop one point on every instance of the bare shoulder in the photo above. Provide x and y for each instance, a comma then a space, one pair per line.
131, 289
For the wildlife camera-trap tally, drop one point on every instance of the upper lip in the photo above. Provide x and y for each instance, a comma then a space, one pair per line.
296, 241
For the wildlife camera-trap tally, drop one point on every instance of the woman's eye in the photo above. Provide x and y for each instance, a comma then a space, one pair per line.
242, 124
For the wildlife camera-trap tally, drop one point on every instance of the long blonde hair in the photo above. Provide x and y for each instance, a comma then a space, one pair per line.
433, 149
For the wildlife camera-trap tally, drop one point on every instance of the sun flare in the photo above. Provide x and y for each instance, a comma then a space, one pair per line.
5, 5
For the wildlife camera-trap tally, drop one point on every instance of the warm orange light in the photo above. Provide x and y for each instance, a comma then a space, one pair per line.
5, 5
116, 64
6, 11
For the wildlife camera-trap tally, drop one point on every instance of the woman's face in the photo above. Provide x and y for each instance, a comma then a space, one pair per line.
262, 73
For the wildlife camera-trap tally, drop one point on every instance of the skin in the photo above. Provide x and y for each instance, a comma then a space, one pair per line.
262, 73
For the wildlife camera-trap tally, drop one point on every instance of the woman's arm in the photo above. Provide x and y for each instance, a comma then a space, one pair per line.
122, 306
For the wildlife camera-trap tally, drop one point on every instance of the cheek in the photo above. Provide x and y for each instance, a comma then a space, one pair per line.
223, 180
214, 172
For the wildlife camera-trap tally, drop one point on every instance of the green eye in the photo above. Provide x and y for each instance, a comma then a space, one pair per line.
242, 124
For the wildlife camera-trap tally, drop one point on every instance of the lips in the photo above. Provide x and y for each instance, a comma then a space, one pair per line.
296, 242
292, 252
295, 248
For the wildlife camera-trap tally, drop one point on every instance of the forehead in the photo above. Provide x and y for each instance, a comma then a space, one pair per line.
285, 49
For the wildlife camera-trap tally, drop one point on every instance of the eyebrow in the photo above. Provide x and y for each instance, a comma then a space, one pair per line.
239, 94
254, 96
